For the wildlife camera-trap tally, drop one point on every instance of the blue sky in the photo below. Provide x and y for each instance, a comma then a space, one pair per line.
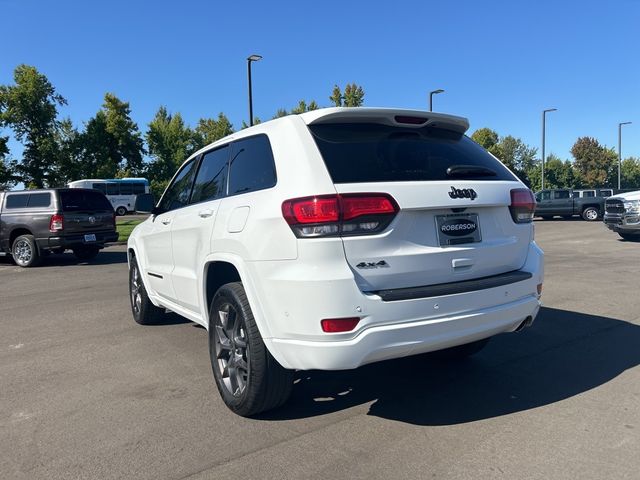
501, 63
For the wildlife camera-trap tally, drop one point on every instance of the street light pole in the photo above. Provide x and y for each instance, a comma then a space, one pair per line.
620, 149
251, 58
431, 94
544, 114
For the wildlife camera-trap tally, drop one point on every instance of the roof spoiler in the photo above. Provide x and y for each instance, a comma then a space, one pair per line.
387, 116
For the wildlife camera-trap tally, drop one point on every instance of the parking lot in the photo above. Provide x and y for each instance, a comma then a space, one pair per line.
87, 393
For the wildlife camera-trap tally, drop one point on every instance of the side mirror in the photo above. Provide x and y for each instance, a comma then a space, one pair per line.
144, 203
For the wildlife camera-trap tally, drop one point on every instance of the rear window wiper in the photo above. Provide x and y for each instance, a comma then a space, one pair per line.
462, 171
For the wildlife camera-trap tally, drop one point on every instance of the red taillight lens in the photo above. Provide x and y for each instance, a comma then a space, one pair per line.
337, 325
523, 205
347, 214
56, 223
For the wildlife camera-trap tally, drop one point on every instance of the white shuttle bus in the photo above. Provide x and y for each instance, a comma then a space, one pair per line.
121, 192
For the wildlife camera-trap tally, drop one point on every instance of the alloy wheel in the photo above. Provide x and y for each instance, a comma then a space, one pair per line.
231, 349
136, 290
22, 252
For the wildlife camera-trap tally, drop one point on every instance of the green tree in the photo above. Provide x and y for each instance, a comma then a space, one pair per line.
30, 108
488, 139
517, 156
303, 107
209, 130
111, 140
353, 96
595, 163
169, 142
67, 163
630, 173
7, 179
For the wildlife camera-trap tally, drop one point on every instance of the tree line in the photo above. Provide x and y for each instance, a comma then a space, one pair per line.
110, 144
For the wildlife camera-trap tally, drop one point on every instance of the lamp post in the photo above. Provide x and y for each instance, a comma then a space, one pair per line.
620, 149
251, 58
544, 114
431, 94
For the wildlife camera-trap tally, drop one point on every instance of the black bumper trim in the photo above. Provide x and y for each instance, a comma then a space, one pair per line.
453, 288
74, 240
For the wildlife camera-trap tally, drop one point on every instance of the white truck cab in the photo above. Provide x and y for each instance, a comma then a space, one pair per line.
337, 238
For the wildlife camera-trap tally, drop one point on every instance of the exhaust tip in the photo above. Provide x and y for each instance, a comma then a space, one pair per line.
527, 322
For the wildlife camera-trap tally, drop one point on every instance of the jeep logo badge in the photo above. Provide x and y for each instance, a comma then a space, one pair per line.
458, 227
463, 193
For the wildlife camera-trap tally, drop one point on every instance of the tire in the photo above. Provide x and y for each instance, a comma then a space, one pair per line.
630, 237
25, 251
86, 253
256, 382
121, 211
144, 312
590, 214
461, 351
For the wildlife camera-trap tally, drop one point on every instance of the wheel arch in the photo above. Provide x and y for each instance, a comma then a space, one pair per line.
16, 232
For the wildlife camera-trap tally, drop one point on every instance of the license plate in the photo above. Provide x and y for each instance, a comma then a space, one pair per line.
458, 229
90, 238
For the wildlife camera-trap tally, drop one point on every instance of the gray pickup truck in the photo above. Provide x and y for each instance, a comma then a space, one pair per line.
589, 204
35, 223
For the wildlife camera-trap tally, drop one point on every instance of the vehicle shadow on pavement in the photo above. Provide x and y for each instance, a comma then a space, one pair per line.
103, 258
562, 355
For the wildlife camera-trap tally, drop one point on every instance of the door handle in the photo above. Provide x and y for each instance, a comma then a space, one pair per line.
205, 213
166, 221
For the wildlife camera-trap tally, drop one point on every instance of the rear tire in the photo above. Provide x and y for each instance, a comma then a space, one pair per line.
461, 351
25, 251
249, 379
121, 211
86, 253
590, 214
144, 312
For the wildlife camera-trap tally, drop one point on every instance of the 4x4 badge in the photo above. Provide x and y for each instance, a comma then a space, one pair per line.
463, 193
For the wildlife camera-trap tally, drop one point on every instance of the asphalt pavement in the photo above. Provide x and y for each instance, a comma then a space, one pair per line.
87, 393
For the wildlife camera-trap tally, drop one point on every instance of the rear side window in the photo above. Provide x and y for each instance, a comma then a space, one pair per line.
126, 189
588, 193
17, 201
211, 182
75, 200
252, 165
561, 194
362, 152
101, 187
113, 189
138, 188
39, 200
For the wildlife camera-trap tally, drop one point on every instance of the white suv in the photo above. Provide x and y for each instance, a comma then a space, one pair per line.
337, 238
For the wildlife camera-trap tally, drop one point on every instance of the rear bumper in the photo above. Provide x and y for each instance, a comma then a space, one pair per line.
387, 329
76, 240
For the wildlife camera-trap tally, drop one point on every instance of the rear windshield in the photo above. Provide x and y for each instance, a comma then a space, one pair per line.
79, 200
362, 152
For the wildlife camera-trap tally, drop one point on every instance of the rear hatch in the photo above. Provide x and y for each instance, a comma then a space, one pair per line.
85, 211
454, 221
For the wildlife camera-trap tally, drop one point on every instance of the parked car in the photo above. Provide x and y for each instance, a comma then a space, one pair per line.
334, 239
622, 215
34, 223
566, 203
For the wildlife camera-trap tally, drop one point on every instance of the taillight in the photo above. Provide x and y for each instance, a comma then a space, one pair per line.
340, 215
523, 204
56, 223
337, 325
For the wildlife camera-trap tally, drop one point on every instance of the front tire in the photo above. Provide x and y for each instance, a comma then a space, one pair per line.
590, 214
144, 312
25, 251
249, 379
121, 211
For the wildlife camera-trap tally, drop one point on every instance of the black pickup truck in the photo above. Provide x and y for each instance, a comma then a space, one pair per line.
34, 223
589, 204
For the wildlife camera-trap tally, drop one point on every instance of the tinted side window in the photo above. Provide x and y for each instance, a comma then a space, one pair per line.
101, 187
39, 200
252, 165
589, 193
138, 188
211, 182
177, 195
126, 189
546, 195
561, 194
17, 201
113, 189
